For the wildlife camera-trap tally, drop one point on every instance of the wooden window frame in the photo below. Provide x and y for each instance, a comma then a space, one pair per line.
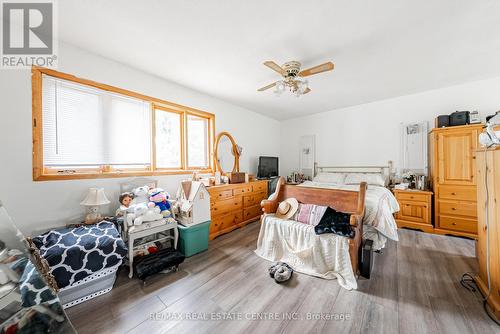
210, 144
42, 173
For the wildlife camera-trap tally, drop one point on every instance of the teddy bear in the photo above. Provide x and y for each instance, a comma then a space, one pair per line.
160, 197
141, 209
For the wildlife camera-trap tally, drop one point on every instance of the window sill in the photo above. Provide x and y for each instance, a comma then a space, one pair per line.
115, 174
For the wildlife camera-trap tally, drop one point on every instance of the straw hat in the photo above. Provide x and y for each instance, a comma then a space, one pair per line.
287, 208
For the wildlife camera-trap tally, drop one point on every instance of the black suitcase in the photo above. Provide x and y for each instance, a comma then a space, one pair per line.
152, 264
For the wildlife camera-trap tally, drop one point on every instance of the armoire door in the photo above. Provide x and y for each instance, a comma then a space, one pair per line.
456, 164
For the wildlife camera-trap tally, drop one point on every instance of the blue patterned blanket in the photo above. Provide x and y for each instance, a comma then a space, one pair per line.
75, 253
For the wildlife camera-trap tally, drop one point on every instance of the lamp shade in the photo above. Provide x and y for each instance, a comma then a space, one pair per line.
95, 197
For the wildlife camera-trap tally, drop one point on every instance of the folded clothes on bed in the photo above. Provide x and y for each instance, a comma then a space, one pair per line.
335, 222
75, 253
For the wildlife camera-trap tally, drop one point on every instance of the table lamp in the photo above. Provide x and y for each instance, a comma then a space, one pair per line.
95, 198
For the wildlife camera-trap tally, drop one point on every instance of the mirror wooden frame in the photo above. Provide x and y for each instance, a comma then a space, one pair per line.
236, 164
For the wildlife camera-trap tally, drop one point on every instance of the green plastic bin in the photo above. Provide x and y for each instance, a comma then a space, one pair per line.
194, 239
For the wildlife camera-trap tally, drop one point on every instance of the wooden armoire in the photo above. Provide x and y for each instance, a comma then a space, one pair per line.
453, 176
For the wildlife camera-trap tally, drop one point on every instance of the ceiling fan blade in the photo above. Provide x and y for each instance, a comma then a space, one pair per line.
267, 87
317, 69
275, 67
307, 90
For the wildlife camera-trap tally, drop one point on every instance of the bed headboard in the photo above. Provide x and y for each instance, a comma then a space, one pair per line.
384, 171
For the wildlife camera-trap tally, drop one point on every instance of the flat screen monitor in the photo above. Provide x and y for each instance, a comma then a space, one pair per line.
268, 167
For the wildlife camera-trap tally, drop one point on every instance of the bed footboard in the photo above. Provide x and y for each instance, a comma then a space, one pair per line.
347, 201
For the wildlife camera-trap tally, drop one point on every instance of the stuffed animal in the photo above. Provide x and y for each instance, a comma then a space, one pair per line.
141, 209
160, 197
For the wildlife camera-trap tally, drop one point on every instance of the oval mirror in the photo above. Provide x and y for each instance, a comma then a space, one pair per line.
226, 153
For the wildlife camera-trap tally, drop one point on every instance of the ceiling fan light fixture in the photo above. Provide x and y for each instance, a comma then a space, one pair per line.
302, 86
293, 77
279, 88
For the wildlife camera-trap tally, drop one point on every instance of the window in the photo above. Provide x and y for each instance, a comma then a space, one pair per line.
168, 139
197, 144
85, 129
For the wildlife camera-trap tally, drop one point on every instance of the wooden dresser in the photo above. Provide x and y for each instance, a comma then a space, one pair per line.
453, 175
491, 177
415, 209
235, 205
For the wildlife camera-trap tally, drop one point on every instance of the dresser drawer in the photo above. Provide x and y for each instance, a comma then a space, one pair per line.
232, 219
253, 199
217, 195
456, 208
414, 211
458, 224
459, 193
215, 226
260, 186
227, 221
242, 190
409, 196
252, 212
227, 205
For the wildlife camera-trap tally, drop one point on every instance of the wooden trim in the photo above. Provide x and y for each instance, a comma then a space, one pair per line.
40, 173
122, 91
73, 176
37, 125
458, 127
210, 137
181, 143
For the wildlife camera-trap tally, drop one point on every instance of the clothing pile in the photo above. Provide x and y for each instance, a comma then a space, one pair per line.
324, 219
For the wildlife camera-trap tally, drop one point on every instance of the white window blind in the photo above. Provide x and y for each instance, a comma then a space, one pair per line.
86, 127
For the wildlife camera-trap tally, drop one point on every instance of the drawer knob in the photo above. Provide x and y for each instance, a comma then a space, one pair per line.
453, 194
453, 209
453, 223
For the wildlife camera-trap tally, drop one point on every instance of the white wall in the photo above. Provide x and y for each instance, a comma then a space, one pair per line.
36, 205
369, 134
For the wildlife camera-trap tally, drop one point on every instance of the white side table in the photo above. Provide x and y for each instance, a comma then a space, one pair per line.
161, 232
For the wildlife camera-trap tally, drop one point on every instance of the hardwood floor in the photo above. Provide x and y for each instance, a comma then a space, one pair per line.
414, 288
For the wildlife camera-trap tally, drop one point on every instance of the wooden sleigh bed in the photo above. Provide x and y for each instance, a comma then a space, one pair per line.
347, 201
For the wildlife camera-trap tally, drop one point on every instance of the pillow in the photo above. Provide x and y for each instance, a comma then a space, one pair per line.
309, 214
357, 178
337, 178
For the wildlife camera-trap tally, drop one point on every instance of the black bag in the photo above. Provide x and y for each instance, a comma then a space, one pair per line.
366, 258
151, 264
459, 118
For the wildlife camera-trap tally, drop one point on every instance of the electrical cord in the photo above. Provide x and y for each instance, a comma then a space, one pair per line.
467, 280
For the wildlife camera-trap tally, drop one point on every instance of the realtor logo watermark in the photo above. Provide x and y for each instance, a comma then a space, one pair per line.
28, 34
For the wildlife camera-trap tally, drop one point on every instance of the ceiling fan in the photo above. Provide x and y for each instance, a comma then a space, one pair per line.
293, 77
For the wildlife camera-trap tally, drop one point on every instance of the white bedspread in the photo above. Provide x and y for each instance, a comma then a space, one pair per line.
325, 255
380, 204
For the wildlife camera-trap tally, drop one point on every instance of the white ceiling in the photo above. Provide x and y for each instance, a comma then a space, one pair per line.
381, 49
